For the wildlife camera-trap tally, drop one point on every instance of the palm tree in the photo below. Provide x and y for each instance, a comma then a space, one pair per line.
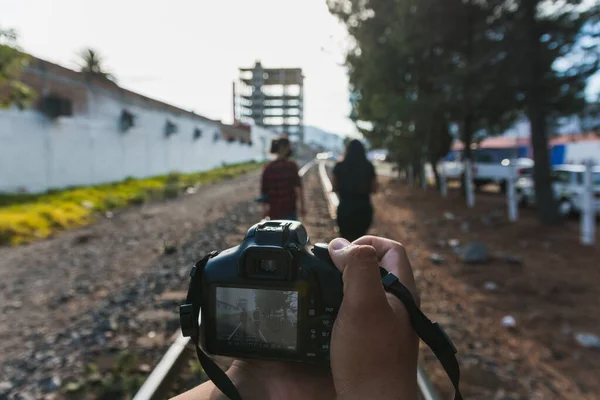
92, 64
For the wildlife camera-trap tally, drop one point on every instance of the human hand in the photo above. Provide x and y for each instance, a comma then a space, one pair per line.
374, 348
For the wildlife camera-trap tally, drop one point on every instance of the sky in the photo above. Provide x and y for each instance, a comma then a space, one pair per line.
187, 52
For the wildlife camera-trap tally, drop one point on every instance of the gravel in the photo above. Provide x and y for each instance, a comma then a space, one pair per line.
86, 295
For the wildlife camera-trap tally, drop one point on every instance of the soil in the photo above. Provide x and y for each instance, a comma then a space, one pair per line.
541, 276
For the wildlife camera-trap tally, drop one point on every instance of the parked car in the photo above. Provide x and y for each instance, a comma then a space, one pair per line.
489, 166
567, 183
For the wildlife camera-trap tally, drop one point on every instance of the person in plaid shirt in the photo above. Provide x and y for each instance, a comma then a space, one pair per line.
281, 186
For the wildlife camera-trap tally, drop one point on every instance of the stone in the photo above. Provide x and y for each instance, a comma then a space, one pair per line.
490, 286
587, 340
51, 384
449, 216
5, 387
475, 253
453, 242
436, 259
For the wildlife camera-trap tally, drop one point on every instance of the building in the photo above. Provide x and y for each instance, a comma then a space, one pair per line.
84, 130
564, 149
272, 98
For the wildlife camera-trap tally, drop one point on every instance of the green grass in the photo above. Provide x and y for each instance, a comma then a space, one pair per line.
25, 218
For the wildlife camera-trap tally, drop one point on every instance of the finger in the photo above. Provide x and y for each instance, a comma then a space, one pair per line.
394, 259
360, 273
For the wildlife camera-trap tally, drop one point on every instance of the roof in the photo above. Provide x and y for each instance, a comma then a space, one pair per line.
574, 168
38, 66
504, 142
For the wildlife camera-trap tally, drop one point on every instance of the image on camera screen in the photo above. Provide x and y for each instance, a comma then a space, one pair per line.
257, 318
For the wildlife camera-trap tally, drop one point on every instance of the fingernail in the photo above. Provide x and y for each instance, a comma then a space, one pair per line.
339, 243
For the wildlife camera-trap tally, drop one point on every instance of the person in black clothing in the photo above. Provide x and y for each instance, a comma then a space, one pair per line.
354, 180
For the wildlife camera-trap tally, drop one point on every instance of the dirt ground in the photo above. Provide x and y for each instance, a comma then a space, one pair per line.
540, 276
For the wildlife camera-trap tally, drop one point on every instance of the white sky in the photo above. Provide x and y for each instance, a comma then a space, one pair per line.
186, 52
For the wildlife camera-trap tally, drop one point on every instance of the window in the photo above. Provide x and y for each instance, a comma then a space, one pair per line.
197, 133
170, 128
127, 121
559, 176
55, 106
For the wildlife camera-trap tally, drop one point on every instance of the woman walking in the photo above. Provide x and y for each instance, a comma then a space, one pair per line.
354, 180
281, 186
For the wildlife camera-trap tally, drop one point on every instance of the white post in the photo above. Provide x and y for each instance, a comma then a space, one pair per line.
423, 175
588, 212
511, 193
409, 178
469, 184
443, 182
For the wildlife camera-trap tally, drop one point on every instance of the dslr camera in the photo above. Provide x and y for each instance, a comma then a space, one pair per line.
275, 296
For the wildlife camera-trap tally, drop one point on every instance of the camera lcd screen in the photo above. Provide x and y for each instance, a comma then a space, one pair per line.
257, 318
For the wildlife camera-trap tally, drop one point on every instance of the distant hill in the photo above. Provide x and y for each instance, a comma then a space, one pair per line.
321, 140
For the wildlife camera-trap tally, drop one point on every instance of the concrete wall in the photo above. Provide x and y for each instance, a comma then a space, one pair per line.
37, 153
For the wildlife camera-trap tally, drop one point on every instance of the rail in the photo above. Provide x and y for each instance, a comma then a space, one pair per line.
156, 385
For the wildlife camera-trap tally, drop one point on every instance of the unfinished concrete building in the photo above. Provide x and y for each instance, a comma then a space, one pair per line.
272, 98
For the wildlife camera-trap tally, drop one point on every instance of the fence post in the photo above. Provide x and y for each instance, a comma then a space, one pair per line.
588, 212
469, 184
443, 181
511, 193
424, 182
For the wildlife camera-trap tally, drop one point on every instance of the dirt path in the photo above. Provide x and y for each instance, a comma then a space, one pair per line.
542, 277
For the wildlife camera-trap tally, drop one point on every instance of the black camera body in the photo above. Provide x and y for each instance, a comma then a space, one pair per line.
275, 296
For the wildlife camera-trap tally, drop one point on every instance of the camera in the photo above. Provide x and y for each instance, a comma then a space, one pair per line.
275, 296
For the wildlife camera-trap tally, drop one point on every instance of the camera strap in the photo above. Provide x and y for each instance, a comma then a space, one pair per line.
430, 332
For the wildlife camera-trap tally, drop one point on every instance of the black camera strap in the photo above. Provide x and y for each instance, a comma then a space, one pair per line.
189, 314
430, 332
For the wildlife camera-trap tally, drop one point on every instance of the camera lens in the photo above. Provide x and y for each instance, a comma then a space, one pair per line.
268, 265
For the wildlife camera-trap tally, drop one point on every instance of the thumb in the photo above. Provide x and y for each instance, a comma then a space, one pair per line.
360, 273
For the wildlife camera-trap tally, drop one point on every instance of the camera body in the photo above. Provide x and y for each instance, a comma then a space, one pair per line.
275, 296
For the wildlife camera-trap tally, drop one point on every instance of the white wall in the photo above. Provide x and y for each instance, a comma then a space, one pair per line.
37, 154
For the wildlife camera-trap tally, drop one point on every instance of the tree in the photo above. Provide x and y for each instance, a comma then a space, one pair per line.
92, 64
12, 61
556, 48
418, 71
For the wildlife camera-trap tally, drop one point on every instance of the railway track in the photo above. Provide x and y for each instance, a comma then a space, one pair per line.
159, 382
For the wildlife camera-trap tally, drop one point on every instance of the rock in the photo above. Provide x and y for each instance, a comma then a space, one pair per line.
449, 216
110, 324
72, 387
87, 204
145, 368
83, 238
588, 340
441, 244
436, 259
24, 396
5, 387
465, 227
51, 384
191, 190
490, 286
509, 321
109, 214
513, 260
453, 242
475, 253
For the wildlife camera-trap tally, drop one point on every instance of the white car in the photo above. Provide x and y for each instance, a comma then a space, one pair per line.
567, 183
489, 166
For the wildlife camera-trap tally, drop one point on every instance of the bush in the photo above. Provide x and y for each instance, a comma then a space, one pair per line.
28, 217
